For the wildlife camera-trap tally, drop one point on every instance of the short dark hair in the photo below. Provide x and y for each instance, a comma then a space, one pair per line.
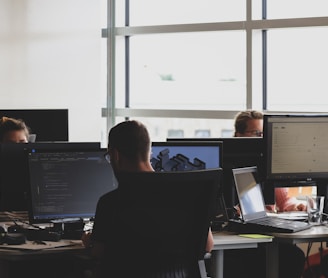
131, 139
243, 117
10, 124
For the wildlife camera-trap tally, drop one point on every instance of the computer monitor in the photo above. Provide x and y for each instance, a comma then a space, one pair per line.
66, 185
238, 152
45, 124
186, 155
190, 155
14, 170
296, 147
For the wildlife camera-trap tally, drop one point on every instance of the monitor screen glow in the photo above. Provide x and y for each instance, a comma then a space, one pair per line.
296, 147
67, 184
185, 155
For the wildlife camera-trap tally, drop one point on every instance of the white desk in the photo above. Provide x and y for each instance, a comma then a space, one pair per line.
35, 262
226, 240
314, 234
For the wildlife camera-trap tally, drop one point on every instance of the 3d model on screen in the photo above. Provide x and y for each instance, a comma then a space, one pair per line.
179, 162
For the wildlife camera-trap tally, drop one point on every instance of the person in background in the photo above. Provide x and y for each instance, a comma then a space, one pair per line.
128, 149
13, 131
251, 262
249, 123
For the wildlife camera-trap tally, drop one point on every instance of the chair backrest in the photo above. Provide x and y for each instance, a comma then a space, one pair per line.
164, 217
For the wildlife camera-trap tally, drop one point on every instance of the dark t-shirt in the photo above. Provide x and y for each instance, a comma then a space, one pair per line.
129, 251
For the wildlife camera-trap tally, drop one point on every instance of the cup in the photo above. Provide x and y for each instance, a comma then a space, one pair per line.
314, 206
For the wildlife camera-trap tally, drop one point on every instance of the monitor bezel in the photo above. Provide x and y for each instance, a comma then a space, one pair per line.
35, 218
191, 143
14, 173
267, 135
48, 125
238, 152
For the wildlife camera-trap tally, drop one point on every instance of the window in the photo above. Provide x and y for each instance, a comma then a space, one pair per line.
195, 69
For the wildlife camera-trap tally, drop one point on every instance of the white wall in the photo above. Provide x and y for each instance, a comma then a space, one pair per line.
51, 57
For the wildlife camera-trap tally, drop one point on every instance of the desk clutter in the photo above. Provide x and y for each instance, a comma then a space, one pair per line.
39, 245
16, 232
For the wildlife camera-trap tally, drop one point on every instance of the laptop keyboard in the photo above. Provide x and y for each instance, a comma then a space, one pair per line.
280, 223
273, 221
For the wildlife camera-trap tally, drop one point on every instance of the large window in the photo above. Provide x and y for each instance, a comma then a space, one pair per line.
188, 66
185, 67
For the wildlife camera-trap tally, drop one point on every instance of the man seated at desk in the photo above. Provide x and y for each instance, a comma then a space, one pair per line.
128, 151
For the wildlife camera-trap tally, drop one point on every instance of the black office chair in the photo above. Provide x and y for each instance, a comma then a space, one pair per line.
162, 224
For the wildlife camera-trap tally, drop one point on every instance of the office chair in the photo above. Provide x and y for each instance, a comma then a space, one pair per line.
162, 224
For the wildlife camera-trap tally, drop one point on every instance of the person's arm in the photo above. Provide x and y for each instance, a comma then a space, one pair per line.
210, 241
286, 203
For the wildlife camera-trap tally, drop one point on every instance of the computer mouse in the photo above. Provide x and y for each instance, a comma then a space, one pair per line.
14, 238
2, 230
15, 229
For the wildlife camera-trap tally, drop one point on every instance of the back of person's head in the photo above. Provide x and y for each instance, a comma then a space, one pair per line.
13, 130
131, 139
243, 117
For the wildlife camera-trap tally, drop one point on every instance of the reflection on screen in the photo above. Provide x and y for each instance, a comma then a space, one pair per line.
249, 192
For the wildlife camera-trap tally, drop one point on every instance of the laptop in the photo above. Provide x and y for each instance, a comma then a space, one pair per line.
252, 206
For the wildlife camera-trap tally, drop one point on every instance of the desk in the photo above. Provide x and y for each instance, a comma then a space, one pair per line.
314, 234
226, 240
53, 262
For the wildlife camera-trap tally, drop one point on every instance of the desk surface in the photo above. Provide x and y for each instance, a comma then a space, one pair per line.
314, 234
61, 248
230, 240
225, 240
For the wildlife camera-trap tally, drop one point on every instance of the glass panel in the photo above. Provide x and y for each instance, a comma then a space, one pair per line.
162, 128
51, 57
297, 67
257, 73
188, 71
296, 8
150, 12
256, 9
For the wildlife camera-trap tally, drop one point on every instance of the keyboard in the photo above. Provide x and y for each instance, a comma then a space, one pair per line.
268, 225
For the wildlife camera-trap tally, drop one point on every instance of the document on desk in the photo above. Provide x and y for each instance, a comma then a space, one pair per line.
40, 245
256, 236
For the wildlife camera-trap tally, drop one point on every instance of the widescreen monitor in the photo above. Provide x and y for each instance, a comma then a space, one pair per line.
66, 185
45, 124
186, 155
237, 152
183, 155
296, 147
14, 170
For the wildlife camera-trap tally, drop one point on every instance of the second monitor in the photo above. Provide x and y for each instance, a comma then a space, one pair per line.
186, 155
237, 152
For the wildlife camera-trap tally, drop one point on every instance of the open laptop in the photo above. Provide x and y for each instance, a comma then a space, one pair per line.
252, 206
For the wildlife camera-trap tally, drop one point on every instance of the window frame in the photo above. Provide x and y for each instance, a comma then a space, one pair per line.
249, 25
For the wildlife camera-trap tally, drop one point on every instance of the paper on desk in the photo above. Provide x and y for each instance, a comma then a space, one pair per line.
255, 236
30, 245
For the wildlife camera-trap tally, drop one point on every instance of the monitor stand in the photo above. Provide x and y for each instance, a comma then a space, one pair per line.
70, 228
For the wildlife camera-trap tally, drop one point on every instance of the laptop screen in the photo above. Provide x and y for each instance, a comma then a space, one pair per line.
249, 192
